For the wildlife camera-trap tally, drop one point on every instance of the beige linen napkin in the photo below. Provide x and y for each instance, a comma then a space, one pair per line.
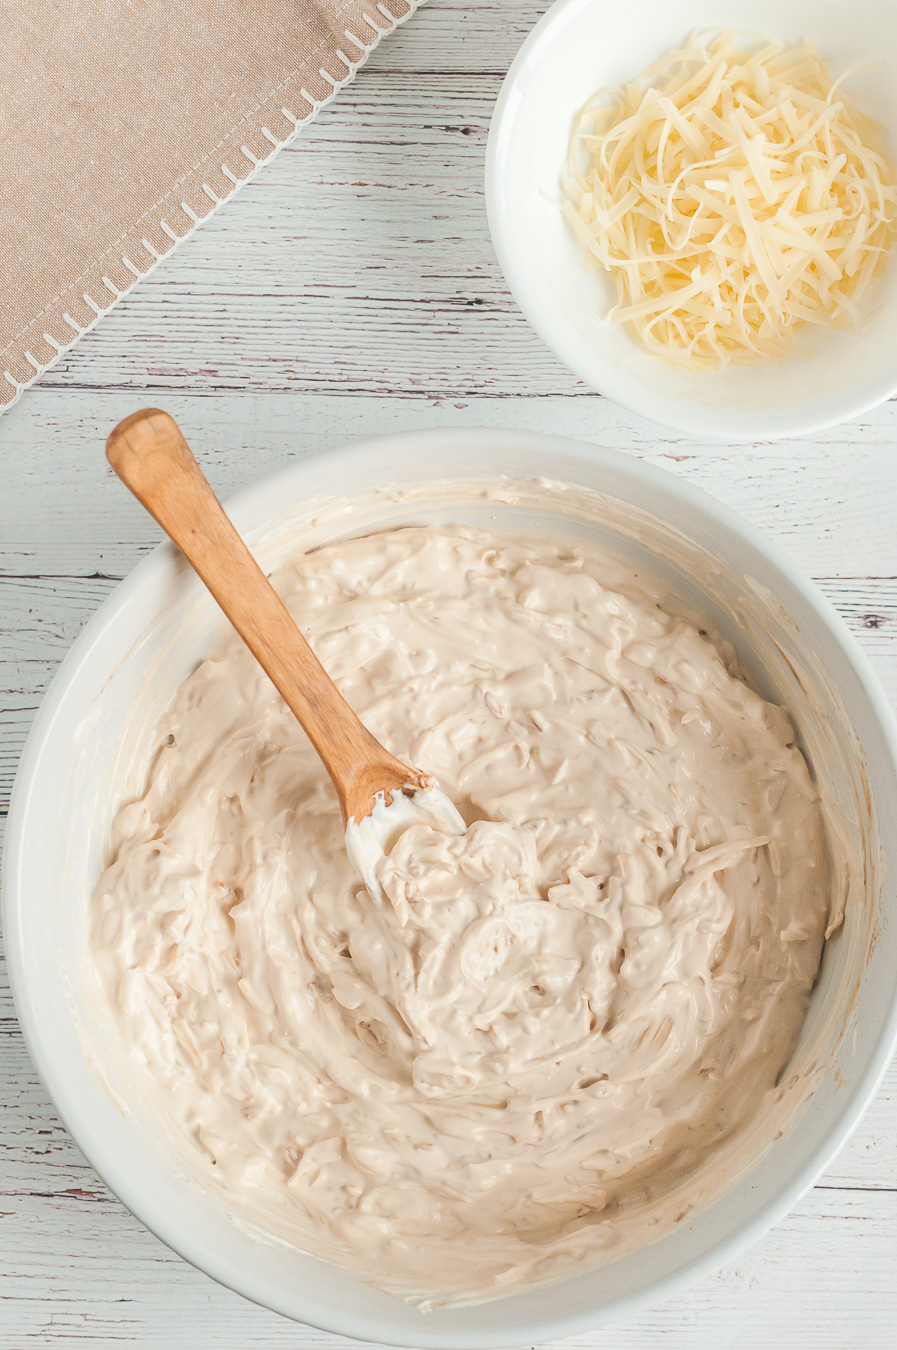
123, 123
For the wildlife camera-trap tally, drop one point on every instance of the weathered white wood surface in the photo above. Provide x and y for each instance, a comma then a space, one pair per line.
352, 290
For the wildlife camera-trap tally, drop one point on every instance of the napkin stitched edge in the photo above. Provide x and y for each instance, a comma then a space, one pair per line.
114, 293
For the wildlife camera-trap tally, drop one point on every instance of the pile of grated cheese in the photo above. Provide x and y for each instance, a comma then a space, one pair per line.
733, 194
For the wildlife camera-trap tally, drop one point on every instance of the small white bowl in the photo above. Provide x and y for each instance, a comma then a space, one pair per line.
582, 46
86, 754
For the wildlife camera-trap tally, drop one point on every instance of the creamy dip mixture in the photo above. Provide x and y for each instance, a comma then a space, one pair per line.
548, 1024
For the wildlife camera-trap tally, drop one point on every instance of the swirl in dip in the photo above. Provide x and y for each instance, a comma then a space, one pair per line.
514, 1063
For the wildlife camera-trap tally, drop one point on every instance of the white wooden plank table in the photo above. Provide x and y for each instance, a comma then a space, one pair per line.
350, 290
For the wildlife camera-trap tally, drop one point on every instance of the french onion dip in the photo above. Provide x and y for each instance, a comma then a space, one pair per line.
511, 1063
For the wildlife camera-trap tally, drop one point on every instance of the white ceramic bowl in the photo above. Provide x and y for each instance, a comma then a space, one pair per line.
581, 46
82, 759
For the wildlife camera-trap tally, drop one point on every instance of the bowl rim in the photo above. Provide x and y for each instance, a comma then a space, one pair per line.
284, 484
599, 373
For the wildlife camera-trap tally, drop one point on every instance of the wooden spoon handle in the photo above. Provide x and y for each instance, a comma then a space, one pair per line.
151, 457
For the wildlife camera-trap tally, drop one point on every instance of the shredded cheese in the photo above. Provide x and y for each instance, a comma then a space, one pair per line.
732, 194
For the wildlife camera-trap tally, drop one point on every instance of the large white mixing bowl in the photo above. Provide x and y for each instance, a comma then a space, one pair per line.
82, 759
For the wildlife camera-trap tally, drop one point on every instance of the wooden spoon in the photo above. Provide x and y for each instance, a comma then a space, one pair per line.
151, 457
